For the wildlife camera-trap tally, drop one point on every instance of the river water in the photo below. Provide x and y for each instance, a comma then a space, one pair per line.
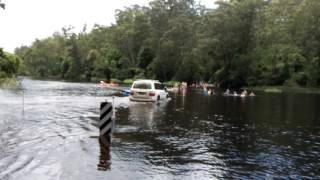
50, 132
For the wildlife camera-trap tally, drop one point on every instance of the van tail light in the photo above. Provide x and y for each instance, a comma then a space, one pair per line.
131, 93
152, 94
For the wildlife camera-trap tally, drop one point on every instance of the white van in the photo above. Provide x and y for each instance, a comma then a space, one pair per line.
148, 90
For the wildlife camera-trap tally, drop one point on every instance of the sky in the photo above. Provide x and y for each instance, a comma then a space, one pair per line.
23, 21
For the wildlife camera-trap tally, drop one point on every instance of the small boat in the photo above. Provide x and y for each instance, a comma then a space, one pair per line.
115, 87
104, 84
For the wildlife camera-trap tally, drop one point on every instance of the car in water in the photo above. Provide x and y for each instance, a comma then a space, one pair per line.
148, 90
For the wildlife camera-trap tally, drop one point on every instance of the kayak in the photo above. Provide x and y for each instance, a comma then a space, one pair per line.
115, 87
104, 84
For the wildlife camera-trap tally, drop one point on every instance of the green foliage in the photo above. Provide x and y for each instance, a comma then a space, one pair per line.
9, 64
172, 83
128, 81
8, 83
314, 72
2, 5
239, 43
9, 67
117, 81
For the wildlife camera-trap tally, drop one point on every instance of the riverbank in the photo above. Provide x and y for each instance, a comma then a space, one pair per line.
8, 83
282, 89
126, 82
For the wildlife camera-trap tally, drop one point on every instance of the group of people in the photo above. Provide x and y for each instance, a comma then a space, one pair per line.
208, 89
178, 87
244, 93
108, 85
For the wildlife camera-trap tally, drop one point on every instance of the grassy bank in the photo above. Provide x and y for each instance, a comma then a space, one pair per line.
286, 89
8, 83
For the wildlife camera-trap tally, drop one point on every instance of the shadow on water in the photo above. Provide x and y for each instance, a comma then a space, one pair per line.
104, 158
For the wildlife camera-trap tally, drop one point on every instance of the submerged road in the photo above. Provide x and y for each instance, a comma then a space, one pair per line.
191, 136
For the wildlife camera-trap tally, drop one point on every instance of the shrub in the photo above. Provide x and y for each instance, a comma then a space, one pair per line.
128, 81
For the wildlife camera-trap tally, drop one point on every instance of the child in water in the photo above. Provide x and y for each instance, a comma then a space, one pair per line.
227, 92
252, 94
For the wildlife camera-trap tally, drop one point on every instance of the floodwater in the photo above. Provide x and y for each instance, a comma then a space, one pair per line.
49, 132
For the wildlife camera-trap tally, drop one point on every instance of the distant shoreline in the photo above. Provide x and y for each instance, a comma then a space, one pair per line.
284, 89
11, 83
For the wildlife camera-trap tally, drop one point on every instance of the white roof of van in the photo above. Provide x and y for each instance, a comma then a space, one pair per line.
146, 80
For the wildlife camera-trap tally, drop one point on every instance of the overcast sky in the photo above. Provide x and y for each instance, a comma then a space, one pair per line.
25, 20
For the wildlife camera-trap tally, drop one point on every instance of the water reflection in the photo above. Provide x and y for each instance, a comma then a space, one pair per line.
191, 136
146, 115
221, 137
104, 158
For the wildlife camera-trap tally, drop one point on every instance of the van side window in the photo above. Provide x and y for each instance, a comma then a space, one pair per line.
158, 86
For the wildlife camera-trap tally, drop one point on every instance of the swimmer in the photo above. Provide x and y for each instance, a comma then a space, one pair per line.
244, 93
227, 92
235, 93
252, 94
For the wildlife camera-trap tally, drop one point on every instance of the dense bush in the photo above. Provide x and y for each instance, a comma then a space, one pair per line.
9, 64
239, 43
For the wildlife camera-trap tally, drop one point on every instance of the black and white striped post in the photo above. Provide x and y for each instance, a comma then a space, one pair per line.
106, 120
106, 125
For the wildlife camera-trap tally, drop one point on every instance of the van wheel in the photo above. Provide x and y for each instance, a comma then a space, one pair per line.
158, 98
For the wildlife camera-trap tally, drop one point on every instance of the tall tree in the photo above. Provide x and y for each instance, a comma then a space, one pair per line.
2, 5
238, 43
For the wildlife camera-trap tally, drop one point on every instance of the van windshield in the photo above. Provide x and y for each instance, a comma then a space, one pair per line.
142, 85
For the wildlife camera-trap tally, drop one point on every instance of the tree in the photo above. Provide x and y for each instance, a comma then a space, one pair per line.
2, 5
239, 43
231, 30
9, 64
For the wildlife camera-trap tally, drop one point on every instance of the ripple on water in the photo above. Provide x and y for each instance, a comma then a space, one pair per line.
15, 166
189, 137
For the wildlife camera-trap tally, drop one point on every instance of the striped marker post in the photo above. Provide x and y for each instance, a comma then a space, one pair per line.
106, 121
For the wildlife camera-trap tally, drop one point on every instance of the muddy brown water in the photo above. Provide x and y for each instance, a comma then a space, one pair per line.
190, 136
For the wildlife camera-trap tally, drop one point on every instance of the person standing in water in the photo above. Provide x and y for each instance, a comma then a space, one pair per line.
252, 94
